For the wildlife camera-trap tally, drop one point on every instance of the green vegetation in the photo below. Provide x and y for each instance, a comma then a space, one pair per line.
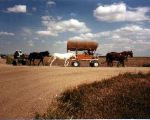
124, 96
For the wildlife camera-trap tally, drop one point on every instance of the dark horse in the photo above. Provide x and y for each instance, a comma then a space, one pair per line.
126, 54
120, 57
38, 55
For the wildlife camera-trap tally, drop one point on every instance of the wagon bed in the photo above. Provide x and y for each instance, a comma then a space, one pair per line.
88, 48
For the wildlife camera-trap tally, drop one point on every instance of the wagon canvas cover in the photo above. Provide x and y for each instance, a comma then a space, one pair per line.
74, 45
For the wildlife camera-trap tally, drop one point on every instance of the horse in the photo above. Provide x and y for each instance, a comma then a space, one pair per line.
38, 55
65, 56
126, 54
120, 57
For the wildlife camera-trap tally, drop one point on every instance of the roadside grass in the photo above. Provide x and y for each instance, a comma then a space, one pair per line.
9, 59
125, 96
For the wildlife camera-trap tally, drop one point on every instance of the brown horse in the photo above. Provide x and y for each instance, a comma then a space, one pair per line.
120, 57
126, 54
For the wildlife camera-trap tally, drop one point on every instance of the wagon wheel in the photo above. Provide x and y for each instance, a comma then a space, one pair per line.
94, 63
75, 64
14, 62
24, 62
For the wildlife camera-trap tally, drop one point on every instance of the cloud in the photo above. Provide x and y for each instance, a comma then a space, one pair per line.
6, 33
130, 31
59, 46
120, 12
47, 33
34, 9
50, 2
47, 18
86, 36
56, 26
30, 43
73, 14
130, 37
60, 42
18, 9
27, 32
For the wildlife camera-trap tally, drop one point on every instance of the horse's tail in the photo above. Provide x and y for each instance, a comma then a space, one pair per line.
29, 57
107, 57
126, 58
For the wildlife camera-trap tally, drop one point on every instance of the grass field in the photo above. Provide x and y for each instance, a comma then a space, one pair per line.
124, 96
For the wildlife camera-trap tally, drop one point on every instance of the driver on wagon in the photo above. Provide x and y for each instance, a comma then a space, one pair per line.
18, 54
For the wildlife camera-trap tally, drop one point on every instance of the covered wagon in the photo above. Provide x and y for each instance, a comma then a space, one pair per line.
84, 50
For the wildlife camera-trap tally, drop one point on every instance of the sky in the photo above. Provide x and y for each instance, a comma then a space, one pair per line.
40, 25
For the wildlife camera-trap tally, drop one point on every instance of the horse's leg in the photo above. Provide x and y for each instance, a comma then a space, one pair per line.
49, 59
118, 63
52, 61
40, 62
107, 60
111, 63
30, 62
126, 58
33, 61
123, 63
108, 63
67, 62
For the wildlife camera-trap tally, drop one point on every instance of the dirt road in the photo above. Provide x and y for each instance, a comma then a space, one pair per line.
26, 90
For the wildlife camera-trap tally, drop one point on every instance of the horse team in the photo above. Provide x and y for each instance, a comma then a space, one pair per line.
110, 57
41, 55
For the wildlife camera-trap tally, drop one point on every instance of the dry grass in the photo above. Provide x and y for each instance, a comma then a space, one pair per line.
124, 96
9, 59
